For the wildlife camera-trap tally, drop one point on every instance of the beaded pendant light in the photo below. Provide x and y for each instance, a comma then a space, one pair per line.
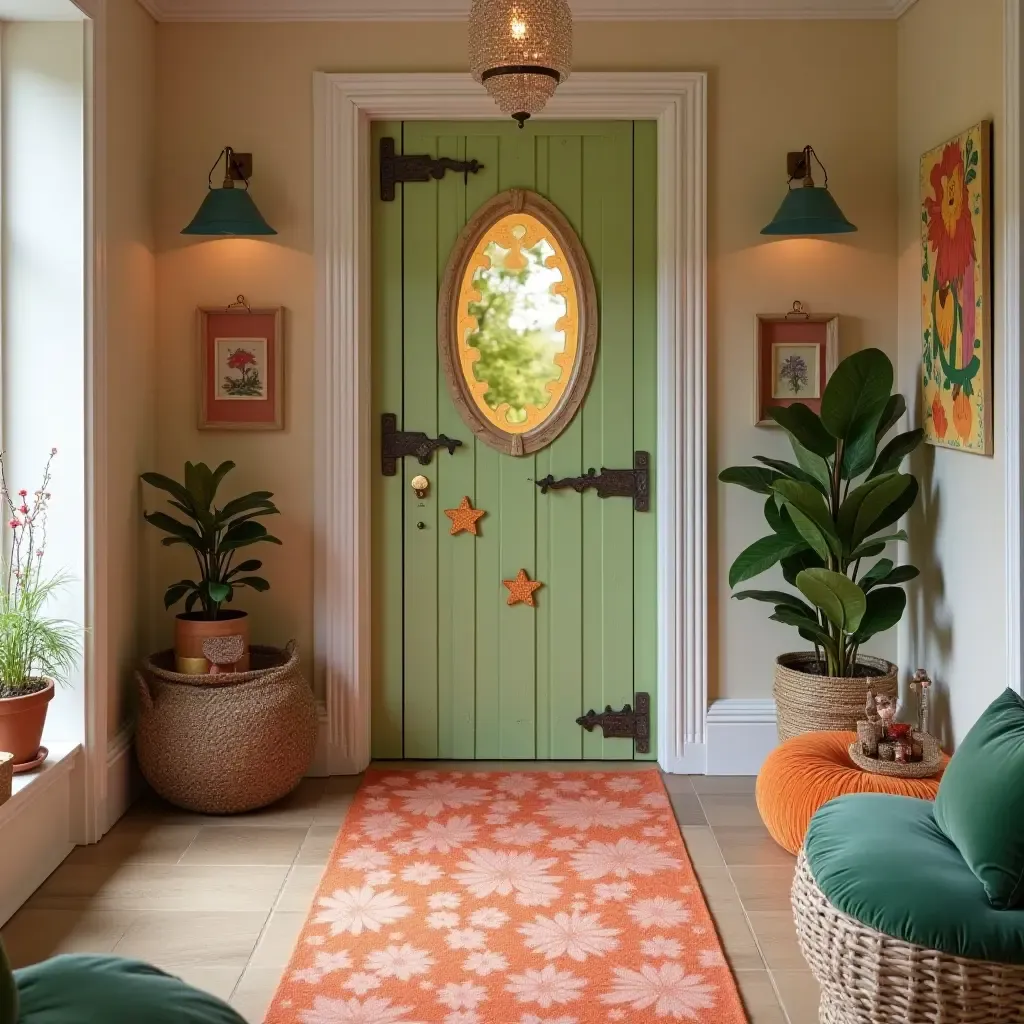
520, 50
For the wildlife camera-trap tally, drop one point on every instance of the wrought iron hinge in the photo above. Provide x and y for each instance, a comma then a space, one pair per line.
396, 167
632, 483
396, 444
629, 723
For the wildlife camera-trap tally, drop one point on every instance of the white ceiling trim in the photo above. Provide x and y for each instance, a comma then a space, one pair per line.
584, 10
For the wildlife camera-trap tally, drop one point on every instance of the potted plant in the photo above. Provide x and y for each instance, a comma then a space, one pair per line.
36, 652
216, 535
831, 515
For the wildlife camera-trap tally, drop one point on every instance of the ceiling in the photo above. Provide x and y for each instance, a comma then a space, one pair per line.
39, 10
448, 10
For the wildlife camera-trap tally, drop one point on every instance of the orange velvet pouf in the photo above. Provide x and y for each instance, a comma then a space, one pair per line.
807, 771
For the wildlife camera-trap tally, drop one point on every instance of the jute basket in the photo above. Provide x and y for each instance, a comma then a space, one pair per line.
232, 743
805, 702
870, 978
929, 765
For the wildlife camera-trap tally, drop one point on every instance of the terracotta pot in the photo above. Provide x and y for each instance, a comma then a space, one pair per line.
191, 630
21, 723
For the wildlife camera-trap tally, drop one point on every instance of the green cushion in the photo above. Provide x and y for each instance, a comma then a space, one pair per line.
109, 990
980, 805
883, 860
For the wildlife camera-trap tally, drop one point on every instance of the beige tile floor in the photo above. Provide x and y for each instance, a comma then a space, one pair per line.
220, 901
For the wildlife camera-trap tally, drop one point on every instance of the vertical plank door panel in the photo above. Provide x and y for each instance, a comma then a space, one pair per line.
562, 511
517, 665
645, 413
420, 369
387, 492
456, 581
612, 175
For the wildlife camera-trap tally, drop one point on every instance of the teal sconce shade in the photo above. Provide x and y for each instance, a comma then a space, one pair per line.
807, 209
229, 210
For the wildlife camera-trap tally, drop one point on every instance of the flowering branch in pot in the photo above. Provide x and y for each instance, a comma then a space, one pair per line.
826, 527
36, 652
215, 535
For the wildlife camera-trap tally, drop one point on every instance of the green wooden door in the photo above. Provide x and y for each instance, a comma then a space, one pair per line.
457, 673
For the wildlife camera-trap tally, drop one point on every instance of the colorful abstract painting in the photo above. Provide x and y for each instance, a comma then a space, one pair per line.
956, 292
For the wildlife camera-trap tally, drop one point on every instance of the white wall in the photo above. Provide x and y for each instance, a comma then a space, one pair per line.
131, 172
950, 77
43, 274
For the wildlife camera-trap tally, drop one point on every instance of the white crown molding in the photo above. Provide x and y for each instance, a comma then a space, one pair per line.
583, 10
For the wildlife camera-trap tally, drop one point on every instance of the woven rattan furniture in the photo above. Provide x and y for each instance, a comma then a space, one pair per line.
914, 882
807, 771
230, 742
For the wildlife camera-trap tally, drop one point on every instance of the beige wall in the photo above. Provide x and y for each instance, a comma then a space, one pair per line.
773, 87
131, 283
957, 620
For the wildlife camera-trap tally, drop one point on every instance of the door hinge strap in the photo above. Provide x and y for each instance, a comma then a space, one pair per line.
396, 444
632, 483
396, 167
629, 723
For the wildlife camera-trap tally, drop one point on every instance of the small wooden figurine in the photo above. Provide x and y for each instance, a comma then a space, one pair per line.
886, 706
921, 684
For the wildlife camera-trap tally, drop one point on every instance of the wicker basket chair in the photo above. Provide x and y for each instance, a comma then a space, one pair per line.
870, 978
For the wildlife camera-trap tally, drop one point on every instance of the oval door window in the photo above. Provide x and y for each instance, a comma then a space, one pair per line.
518, 323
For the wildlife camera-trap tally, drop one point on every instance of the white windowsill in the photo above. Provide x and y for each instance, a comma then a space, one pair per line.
28, 785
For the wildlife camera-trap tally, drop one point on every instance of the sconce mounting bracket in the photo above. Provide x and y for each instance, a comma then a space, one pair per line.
796, 164
240, 166
396, 167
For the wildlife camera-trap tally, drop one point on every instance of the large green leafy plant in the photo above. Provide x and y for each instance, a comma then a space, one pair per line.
214, 534
829, 526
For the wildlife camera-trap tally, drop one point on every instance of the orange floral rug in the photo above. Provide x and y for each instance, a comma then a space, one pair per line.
508, 898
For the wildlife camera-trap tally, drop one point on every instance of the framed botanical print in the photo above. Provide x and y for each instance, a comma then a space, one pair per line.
241, 368
956, 292
794, 356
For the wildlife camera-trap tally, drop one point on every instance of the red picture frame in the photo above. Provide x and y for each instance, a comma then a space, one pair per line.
795, 353
241, 368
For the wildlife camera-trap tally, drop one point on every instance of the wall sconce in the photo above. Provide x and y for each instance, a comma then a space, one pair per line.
229, 210
807, 210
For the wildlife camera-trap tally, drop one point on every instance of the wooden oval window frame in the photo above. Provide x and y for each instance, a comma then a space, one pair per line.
453, 325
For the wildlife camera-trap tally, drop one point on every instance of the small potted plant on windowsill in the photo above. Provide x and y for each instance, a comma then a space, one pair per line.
825, 530
36, 652
216, 535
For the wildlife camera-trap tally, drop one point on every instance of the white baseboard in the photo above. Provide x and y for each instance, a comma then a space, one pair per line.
36, 832
692, 762
321, 765
123, 780
740, 734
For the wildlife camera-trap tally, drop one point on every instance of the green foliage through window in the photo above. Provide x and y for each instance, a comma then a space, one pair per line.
515, 334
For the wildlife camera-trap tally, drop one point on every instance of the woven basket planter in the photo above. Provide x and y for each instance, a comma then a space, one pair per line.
232, 743
870, 978
805, 702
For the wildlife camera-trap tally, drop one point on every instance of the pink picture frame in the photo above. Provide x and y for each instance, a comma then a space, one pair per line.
241, 368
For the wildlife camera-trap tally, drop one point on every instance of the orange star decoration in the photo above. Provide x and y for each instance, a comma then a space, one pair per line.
464, 517
520, 590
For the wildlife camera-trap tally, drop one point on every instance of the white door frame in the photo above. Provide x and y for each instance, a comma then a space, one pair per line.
344, 106
1011, 171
